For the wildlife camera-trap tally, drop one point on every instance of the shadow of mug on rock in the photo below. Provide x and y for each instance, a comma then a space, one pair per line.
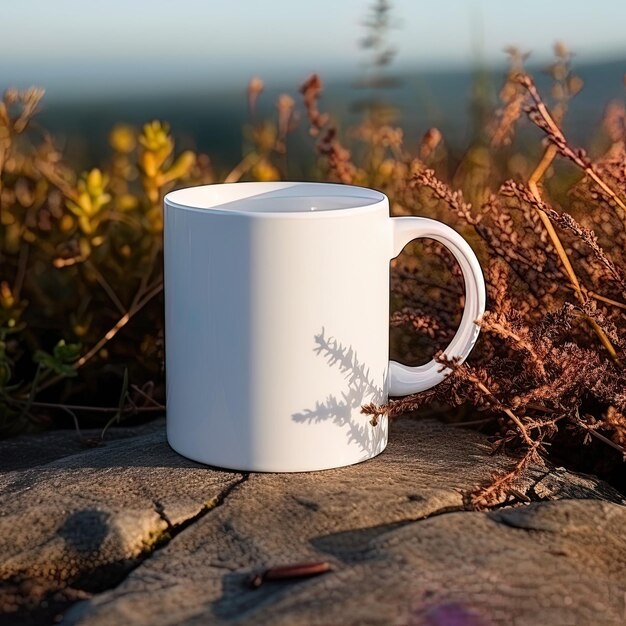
256, 276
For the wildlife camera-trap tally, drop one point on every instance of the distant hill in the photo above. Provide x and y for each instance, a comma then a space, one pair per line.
211, 120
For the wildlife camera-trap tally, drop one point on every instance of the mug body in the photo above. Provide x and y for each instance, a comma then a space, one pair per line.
276, 324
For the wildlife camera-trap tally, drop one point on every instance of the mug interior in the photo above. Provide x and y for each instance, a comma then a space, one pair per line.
275, 197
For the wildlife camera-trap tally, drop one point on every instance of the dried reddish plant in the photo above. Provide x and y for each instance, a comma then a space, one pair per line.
548, 368
337, 157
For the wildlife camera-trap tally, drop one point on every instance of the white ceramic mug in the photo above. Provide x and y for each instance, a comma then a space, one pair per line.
276, 322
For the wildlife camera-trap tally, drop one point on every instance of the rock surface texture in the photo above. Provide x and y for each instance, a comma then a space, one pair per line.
131, 533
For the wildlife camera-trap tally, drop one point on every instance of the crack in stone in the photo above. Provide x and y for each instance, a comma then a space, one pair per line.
531, 491
444, 510
208, 506
167, 535
160, 511
334, 543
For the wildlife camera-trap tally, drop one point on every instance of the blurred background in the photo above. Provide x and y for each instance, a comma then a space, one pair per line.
190, 62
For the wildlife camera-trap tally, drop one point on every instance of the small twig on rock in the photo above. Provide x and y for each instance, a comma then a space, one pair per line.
285, 572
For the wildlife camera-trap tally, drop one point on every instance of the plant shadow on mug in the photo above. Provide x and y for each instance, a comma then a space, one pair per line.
345, 411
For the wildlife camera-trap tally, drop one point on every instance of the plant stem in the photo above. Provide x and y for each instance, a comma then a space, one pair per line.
519, 467
20, 275
244, 165
535, 177
89, 409
147, 397
556, 134
106, 286
597, 296
142, 298
33, 392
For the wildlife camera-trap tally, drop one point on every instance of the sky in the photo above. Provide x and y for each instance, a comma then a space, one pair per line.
84, 47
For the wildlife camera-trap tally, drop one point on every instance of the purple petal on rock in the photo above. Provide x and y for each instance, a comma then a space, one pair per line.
452, 614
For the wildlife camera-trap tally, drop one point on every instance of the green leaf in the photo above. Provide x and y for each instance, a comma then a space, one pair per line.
57, 363
67, 352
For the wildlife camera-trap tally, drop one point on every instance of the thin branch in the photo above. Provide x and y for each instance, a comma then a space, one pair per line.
51, 175
540, 115
107, 287
140, 301
245, 165
119, 325
20, 275
142, 393
533, 181
75, 420
481, 422
593, 432
484, 494
522, 429
89, 409
597, 296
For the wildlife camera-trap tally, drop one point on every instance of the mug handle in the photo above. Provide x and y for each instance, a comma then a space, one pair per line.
403, 379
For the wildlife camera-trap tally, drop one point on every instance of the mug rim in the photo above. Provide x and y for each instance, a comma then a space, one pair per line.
376, 199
